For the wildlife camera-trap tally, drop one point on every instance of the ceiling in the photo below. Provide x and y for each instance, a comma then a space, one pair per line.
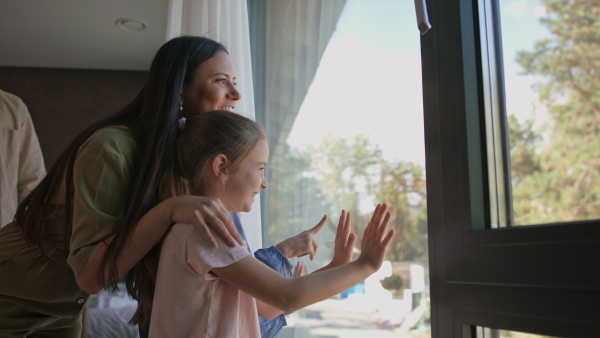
81, 34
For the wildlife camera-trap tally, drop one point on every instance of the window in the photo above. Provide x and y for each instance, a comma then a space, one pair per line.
541, 279
338, 84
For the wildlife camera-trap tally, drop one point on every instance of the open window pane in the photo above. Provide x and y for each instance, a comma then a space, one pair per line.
552, 76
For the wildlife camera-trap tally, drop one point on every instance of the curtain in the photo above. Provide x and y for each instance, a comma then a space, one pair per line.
225, 21
297, 33
288, 39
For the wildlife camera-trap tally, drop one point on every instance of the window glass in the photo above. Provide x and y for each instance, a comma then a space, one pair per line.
354, 140
552, 85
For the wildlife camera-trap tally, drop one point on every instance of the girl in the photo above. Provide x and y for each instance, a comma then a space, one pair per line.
202, 291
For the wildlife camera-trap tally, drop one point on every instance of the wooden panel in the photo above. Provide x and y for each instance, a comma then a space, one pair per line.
64, 101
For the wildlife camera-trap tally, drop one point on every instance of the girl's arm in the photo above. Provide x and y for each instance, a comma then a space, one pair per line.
288, 295
199, 211
344, 245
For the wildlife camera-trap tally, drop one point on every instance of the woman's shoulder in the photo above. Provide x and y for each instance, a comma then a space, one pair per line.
113, 134
117, 140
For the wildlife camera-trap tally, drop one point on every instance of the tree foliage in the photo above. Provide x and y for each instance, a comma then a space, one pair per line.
345, 168
557, 177
295, 200
402, 186
348, 173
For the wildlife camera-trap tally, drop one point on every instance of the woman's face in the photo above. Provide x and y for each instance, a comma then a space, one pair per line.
212, 88
245, 184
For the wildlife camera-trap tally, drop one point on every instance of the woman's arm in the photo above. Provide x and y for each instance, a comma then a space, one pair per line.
288, 295
202, 212
303, 243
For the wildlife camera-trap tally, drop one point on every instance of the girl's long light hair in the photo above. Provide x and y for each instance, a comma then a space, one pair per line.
205, 136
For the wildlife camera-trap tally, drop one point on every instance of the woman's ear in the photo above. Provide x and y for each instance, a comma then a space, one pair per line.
219, 166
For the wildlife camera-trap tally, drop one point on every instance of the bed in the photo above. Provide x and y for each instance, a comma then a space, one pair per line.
108, 314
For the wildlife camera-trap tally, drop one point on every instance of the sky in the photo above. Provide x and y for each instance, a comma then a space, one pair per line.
520, 29
369, 79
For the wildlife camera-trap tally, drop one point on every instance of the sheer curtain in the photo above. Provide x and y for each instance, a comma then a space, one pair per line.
297, 33
288, 41
225, 21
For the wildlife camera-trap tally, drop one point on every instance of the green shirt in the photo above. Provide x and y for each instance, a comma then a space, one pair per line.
104, 168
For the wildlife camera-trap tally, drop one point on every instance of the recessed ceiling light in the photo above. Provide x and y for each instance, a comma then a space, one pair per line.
131, 24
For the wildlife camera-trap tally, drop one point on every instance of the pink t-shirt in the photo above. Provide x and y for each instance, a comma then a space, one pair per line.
190, 301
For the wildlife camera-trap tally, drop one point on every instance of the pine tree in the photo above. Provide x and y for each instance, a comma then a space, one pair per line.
566, 185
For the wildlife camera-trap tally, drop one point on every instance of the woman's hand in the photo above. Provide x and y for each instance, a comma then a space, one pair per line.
302, 244
344, 241
376, 238
298, 270
204, 212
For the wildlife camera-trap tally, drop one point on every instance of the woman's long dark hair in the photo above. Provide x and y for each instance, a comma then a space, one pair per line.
152, 118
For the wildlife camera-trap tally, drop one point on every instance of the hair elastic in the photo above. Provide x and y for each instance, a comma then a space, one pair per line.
181, 122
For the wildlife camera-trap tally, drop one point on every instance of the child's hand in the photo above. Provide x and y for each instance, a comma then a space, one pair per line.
376, 238
344, 241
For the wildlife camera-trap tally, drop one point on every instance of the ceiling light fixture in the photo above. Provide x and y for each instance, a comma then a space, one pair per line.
131, 24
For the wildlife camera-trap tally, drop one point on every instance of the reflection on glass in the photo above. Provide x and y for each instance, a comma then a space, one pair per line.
552, 76
354, 139
483, 332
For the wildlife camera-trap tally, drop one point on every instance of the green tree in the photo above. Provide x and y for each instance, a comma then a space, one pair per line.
295, 201
402, 186
524, 142
565, 186
352, 173
345, 169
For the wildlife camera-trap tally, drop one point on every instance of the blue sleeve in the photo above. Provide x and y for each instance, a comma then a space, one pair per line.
270, 328
278, 262
275, 260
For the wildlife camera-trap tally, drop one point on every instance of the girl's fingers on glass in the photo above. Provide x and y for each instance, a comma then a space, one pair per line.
380, 215
340, 223
375, 216
388, 238
367, 230
344, 228
384, 225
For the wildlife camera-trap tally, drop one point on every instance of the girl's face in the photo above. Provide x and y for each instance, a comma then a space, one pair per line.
241, 187
212, 88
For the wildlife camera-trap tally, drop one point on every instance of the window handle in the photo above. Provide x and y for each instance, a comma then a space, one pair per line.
422, 19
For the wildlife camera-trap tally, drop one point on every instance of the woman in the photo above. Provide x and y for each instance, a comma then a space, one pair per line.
97, 212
